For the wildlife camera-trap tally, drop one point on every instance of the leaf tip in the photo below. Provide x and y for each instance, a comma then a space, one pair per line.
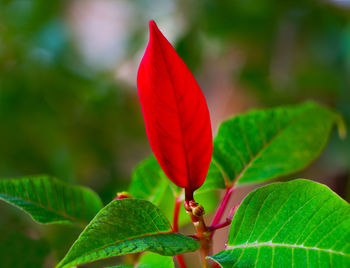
152, 24
153, 28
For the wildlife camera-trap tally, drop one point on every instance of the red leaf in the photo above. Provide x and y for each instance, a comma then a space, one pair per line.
175, 112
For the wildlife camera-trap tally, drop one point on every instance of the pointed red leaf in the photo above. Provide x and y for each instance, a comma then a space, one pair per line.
175, 112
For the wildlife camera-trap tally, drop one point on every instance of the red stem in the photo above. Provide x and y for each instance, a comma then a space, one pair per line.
228, 219
181, 261
219, 225
176, 214
221, 208
177, 206
188, 194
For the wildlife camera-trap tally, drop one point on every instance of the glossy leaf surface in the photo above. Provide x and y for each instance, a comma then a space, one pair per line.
295, 224
127, 226
263, 145
48, 200
175, 113
151, 260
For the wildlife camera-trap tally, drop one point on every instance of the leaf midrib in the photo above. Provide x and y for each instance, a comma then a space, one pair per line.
115, 243
57, 212
271, 244
184, 147
265, 145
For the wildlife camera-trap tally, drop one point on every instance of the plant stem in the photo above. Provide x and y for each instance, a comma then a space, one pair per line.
203, 238
176, 214
228, 219
219, 225
196, 213
188, 194
222, 208
177, 206
181, 261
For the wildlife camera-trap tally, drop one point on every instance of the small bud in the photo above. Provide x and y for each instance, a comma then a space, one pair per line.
122, 195
196, 209
193, 203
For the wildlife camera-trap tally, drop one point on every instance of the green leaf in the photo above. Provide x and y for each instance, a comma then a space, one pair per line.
127, 226
263, 145
214, 179
149, 182
121, 266
294, 224
151, 260
48, 200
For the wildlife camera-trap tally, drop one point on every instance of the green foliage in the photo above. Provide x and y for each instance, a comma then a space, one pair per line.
64, 117
127, 226
295, 224
48, 200
149, 182
293, 51
149, 174
252, 148
18, 250
151, 260
58, 113
214, 180
263, 145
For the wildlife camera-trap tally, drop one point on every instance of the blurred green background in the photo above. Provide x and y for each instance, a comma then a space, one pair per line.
68, 98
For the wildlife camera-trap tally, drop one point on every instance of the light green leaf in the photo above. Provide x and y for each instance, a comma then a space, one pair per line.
149, 182
121, 266
151, 260
127, 226
263, 145
48, 200
294, 224
214, 179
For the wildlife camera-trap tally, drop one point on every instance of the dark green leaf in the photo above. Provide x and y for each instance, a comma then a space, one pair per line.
127, 226
263, 145
294, 224
48, 200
